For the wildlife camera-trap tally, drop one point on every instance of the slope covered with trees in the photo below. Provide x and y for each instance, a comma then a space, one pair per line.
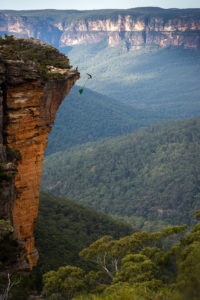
64, 228
153, 173
140, 266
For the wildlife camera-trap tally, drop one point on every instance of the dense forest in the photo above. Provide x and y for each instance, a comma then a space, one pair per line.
136, 267
153, 173
163, 265
64, 228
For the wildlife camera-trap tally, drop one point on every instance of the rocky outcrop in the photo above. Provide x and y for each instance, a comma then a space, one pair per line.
135, 27
28, 106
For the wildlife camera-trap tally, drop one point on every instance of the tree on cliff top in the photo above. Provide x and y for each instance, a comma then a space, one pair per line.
40, 55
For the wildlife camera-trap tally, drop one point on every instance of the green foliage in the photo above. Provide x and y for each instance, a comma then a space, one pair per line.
133, 259
126, 291
141, 269
137, 268
188, 258
30, 50
63, 284
197, 214
170, 230
189, 272
152, 174
64, 228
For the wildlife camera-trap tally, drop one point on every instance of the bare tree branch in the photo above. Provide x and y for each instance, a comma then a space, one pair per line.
8, 288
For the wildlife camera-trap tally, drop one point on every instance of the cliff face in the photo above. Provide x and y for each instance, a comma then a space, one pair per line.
136, 27
28, 108
154, 31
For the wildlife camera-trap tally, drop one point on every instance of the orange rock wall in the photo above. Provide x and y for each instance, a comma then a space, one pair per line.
30, 109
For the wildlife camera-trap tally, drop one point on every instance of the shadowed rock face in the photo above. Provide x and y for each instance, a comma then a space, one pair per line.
136, 27
28, 106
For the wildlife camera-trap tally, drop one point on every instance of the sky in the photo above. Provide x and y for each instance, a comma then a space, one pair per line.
92, 4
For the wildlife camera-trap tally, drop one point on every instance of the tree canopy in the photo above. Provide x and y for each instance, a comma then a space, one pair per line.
139, 266
147, 176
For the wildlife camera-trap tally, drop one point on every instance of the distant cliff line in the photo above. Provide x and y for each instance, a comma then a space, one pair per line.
136, 27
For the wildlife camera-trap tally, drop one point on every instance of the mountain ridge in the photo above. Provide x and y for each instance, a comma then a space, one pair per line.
140, 26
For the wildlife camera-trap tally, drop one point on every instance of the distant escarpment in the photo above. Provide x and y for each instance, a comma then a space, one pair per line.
34, 79
135, 27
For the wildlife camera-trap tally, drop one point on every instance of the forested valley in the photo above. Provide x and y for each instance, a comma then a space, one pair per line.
150, 175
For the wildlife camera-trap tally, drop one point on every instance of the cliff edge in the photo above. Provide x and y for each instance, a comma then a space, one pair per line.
34, 79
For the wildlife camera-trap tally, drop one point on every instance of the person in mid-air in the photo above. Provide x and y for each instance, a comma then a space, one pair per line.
89, 77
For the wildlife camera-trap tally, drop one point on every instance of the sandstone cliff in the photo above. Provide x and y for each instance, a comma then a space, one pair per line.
135, 27
30, 94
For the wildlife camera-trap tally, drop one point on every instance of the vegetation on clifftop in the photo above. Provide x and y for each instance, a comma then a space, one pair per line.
30, 50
